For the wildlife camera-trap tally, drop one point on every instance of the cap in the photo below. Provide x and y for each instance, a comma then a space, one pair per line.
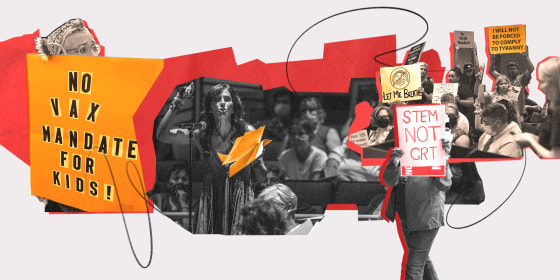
468, 66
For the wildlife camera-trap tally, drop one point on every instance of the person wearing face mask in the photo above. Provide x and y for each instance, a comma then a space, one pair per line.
381, 125
498, 134
460, 136
173, 196
277, 127
463, 121
222, 197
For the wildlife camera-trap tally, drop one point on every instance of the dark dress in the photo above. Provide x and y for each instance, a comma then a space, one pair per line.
222, 198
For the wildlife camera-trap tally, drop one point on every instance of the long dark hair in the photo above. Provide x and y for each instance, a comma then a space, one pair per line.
237, 121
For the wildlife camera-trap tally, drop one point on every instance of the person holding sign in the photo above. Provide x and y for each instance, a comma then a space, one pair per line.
222, 197
71, 38
422, 213
520, 81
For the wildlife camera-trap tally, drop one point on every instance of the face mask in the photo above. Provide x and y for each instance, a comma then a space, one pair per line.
488, 130
175, 187
453, 120
281, 110
383, 122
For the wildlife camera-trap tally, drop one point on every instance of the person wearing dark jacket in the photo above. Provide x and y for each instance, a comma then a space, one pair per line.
421, 215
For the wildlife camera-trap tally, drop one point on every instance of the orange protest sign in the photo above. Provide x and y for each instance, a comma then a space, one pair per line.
506, 39
83, 145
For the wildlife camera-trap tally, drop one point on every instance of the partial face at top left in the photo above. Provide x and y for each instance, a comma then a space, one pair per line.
81, 43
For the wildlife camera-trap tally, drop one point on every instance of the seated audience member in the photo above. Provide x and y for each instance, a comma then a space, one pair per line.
262, 217
460, 136
531, 107
519, 81
346, 165
324, 137
502, 90
173, 196
381, 125
462, 121
547, 144
497, 137
302, 161
277, 128
287, 200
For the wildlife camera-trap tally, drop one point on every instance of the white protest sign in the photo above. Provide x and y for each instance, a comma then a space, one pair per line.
443, 88
420, 129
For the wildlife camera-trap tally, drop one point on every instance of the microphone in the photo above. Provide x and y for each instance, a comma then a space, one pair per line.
192, 126
185, 91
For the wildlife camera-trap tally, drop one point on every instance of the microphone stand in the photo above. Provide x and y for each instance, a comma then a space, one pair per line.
190, 192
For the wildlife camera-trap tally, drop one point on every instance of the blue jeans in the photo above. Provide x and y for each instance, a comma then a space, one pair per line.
418, 263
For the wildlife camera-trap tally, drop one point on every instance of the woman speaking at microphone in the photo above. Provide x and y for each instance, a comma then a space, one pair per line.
221, 198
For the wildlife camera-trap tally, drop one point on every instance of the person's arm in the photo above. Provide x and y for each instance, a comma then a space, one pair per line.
511, 149
392, 171
317, 166
463, 141
444, 183
530, 68
527, 139
492, 67
469, 102
333, 139
163, 132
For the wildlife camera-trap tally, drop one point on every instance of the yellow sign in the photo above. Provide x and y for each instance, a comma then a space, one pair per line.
83, 146
400, 83
506, 39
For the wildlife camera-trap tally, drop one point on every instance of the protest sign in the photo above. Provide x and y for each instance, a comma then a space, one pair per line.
443, 88
414, 54
506, 39
400, 83
464, 39
83, 148
420, 129
360, 138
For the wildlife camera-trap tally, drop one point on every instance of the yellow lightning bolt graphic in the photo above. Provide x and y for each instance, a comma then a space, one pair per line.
245, 150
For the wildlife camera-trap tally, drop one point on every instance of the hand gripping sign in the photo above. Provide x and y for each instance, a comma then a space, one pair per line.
420, 129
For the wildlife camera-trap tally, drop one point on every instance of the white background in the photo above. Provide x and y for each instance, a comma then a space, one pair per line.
518, 242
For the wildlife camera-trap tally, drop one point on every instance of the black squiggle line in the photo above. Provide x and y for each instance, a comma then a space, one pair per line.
124, 219
355, 10
493, 211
